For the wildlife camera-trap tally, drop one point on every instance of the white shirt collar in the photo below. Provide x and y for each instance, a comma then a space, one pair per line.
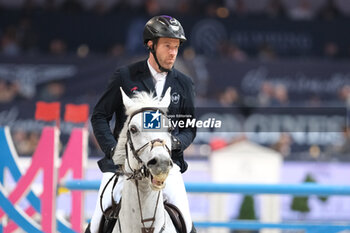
157, 76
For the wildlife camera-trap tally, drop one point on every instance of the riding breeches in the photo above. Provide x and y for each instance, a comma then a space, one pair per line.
174, 192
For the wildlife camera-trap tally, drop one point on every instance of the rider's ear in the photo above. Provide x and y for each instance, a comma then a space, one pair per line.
126, 100
165, 102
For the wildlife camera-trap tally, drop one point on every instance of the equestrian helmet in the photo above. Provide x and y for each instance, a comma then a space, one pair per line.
163, 26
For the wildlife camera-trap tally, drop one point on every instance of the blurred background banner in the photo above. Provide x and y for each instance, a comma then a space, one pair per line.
275, 72
305, 100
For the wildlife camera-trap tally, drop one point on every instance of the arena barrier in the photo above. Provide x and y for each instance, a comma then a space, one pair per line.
291, 189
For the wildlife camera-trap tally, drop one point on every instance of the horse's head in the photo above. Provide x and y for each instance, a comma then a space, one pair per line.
148, 149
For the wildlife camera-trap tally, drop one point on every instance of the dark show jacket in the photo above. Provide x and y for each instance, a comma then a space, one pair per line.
137, 77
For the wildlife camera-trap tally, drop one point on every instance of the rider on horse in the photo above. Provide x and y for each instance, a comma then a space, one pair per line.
162, 36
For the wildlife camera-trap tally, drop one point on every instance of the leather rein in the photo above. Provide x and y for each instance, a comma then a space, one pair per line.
136, 174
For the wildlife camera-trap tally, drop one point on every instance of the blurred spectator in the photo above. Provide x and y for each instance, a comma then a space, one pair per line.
25, 143
33, 140
266, 52
303, 11
329, 11
231, 51
280, 96
57, 47
8, 91
26, 36
21, 142
229, 97
117, 50
236, 54
343, 6
283, 145
83, 50
344, 95
275, 9
240, 8
331, 50
189, 53
343, 148
314, 100
265, 94
152, 7
184, 7
52, 91
211, 7
9, 44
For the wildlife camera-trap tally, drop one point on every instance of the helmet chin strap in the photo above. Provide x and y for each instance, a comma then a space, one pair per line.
153, 51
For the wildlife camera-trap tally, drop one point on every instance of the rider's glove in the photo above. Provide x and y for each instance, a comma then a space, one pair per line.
111, 153
175, 144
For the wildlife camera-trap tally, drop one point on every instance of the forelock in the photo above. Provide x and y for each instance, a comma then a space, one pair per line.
142, 100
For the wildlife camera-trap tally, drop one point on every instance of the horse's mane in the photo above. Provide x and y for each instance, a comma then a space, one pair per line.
141, 100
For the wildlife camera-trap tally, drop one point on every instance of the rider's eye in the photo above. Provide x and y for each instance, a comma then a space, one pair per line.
133, 129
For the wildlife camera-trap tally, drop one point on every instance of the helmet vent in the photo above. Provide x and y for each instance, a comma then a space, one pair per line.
152, 29
163, 21
175, 28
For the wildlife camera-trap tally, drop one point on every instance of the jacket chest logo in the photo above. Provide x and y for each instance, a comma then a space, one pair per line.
175, 98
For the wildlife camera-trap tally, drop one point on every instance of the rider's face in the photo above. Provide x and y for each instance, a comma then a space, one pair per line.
166, 51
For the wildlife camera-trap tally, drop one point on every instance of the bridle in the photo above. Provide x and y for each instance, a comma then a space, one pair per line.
137, 174
136, 153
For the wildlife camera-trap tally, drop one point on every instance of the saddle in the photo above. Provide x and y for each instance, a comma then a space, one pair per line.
111, 214
176, 217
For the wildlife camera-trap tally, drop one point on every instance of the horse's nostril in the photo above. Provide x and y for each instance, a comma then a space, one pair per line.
152, 162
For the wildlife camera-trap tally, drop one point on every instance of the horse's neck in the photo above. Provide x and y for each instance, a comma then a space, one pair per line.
130, 209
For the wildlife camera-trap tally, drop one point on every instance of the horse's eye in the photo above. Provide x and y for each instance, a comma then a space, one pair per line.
170, 129
133, 129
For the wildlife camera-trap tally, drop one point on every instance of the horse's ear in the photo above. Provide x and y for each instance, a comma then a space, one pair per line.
165, 102
126, 100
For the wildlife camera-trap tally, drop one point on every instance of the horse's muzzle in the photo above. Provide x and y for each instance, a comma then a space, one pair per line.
159, 171
158, 182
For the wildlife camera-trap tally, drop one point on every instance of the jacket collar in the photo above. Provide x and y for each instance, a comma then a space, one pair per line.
147, 78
